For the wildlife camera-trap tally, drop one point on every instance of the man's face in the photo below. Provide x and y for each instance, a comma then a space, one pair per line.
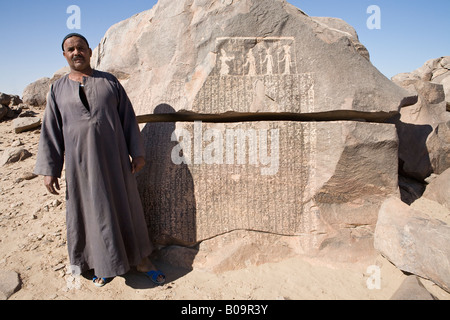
77, 53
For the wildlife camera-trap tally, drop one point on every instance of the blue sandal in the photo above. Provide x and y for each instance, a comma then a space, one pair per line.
97, 284
153, 275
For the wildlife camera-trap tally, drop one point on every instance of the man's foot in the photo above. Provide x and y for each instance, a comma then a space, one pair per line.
157, 277
147, 267
99, 282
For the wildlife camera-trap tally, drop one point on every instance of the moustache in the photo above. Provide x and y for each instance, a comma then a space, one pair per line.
77, 57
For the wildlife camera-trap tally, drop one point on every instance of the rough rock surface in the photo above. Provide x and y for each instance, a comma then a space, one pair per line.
412, 289
439, 189
216, 57
414, 241
322, 182
9, 284
14, 154
256, 63
423, 127
26, 124
35, 94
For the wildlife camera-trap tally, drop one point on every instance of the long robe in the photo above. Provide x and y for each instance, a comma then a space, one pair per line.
106, 228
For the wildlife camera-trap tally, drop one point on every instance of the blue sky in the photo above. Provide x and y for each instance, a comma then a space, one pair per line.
412, 32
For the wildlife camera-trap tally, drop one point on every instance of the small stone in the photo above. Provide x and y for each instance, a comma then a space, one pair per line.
56, 203
12, 155
17, 143
59, 267
29, 176
9, 283
25, 124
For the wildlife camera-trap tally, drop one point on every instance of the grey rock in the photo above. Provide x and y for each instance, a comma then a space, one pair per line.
424, 137
26, 124
3, 111
412, 289
439, 189
35, 94
438, 146
244, 57
322, 182
9, 283
414, 242
12, 155
9, 99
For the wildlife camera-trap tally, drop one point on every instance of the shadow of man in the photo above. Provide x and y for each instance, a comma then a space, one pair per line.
167, 192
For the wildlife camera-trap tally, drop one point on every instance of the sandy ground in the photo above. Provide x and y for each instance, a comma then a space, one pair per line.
33, 244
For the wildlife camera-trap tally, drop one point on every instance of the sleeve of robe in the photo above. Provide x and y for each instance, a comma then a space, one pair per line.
130, 125
50, 158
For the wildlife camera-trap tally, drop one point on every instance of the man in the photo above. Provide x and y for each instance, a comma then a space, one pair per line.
90, 125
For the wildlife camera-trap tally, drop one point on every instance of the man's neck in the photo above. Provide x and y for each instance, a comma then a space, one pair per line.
76, 75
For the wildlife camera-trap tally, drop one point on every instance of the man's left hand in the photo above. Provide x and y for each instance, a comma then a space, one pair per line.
137, 164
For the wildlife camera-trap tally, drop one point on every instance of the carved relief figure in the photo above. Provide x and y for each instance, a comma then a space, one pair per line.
269, 60
225, 69
287, 59
251, 63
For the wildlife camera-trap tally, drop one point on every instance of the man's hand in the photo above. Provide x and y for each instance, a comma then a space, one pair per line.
137, 164
52, 184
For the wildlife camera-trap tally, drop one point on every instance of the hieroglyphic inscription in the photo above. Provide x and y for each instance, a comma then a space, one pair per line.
256, 56
243, 63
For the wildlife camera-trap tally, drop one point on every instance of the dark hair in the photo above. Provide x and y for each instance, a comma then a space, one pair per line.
70, 35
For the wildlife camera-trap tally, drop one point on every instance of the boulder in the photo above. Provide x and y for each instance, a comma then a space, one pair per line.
216, 57
4, 98
412, 289
322, 182
35, 94
439, 189
26, 124
9, 100
438, 146
9, 104
267, 73
423, 127
3, 111
414, 242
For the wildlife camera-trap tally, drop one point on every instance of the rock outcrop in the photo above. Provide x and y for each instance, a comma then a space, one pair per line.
424, 127
35, 94
10, 106
216, 57
296, 95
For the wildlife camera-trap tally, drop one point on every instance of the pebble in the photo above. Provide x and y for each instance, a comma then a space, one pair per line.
29, 176
17, 143
59, 267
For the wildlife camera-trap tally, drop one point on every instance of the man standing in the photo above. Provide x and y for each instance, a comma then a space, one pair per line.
90, 125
